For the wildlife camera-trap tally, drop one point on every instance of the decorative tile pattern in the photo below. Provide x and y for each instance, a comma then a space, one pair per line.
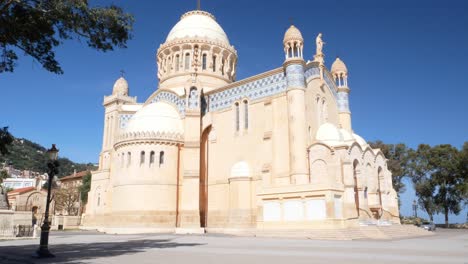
295, 76
265, 87
312, 72
330, 84
124, 120
315, 72
171, 98
343, 102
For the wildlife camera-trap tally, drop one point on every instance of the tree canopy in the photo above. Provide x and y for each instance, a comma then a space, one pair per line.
37, 27
5, 139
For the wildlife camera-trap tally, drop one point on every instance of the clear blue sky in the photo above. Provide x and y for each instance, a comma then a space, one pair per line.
407, 61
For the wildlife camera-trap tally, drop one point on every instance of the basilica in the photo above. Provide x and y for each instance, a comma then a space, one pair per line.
209, 153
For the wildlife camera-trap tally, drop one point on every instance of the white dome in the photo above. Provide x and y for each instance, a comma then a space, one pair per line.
347, 136
156, 117
360, 140
198, 24
328, 133
120, 87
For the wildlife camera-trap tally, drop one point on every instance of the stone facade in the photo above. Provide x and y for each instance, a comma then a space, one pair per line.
208, 153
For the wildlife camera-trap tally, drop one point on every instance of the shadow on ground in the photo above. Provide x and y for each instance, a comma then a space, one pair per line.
79, 253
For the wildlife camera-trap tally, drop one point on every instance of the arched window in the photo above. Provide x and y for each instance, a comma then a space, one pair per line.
324, 111
290, 52
142, 158
122, 160
129, 159
296, 50
177, 61
237, 117
222, 66
161, 158
204, 62
246, 114
152, 158
214, 63
187, 61
99, 199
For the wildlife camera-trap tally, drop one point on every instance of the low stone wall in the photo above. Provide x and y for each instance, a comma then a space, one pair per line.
65, 222
6, 223
22, 218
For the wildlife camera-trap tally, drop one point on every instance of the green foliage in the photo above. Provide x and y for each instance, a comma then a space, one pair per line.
26, 155
398, 156
3, 175
439, 175
37, 27
85, 187
5, 139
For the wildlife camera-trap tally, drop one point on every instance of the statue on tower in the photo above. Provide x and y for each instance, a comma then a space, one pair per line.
319, 56
319, 42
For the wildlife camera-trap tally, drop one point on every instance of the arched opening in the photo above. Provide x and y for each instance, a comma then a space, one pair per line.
142, 158
204, 62
237, 116
161, 158
187, 61
193, 98
214, 63
177, 61
356, 189
129, 159
204, 163
246, 114
151, 162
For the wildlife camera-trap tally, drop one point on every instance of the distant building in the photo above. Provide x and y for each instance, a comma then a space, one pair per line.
74, 180
22, 178
28, 199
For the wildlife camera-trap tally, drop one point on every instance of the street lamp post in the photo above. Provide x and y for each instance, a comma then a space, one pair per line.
43, 251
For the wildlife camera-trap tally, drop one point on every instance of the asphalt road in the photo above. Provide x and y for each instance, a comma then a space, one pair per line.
447, 246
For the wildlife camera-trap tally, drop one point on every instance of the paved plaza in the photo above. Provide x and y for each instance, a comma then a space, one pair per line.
447, 246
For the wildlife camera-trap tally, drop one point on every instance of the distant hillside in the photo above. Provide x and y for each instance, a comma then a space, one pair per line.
27, 155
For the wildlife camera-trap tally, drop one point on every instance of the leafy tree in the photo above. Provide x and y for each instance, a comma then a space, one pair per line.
421, 176
85, 187
463, 170
5, 138
445, 160
66, 199
36, 27
399, 156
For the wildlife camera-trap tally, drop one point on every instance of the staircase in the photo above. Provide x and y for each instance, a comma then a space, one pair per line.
377, 232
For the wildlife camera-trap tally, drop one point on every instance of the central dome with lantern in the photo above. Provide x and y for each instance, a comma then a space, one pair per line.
197, 50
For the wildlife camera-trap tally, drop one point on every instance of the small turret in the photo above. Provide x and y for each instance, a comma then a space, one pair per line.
293, 43
340, 75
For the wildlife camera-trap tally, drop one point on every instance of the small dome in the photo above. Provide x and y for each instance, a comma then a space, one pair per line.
292, 34
360, 140
156, 117
120, 87
329, 134
347, 136
338, 66
198, 24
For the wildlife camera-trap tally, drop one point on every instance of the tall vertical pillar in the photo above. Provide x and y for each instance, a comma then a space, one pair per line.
294, 70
